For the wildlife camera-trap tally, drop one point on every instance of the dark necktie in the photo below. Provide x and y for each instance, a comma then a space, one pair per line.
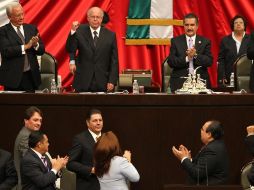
45, 162
26, 63
95, 38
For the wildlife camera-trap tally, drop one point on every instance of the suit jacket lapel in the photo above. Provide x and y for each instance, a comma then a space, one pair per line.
243, 46
90, 138
232, 44
14, 34
27, 34
88, 36
43, 167
198, 43
183, 44
101, 36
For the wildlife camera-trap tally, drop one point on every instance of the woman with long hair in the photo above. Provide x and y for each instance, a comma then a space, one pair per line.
113, 169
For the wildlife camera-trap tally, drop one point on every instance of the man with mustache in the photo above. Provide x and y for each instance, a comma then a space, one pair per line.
187, 52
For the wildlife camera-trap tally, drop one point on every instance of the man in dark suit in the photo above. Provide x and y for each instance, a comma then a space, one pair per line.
81, 154
32, 122
8, 175
187, 52
19, 46
37, 170
211, 165
250, 144
250, 55
96, 66
232, 47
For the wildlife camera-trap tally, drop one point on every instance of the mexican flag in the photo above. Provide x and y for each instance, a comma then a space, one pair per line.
150, 22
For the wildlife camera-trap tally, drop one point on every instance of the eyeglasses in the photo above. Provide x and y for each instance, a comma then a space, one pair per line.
18, 15
95, 17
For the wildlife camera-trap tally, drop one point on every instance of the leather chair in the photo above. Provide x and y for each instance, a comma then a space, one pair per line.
244, 180
68, 180
242, 68
48, 67
166, 72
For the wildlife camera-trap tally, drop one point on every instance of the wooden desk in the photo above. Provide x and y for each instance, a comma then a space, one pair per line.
148, 125
182, 187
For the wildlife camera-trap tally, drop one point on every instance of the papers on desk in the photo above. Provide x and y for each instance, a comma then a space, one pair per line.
152, 93
92, 92
123, 92
12, 92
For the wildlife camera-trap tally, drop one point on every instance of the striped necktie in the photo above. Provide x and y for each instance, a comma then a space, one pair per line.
45, 162
191, 66
26, 63
95, 38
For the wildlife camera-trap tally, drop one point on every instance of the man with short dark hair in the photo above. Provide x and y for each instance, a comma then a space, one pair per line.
20, 44
8, 175
32, 122
81, 153
37, 170
187, 52
211, 165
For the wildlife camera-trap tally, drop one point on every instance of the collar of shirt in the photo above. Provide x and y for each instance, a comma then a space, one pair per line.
20, 28
238, 43
233, 36
193, 39
38, 154
97, 30
94, 135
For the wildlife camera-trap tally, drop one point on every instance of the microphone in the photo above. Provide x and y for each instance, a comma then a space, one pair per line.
206, 172
203, 163
198, 174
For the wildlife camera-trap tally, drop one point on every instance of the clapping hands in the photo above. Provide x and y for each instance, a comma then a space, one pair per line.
59, 162
181, 152
127, 155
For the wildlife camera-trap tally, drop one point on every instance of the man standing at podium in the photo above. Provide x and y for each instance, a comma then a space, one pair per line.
187, 52
211, 165
19, 46
95, 68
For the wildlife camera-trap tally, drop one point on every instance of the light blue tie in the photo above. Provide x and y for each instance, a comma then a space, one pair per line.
191, 67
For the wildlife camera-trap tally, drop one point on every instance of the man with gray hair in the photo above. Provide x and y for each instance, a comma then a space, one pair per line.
19, 46
96, 66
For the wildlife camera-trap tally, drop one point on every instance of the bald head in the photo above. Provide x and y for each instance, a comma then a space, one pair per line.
96, 10
94, 17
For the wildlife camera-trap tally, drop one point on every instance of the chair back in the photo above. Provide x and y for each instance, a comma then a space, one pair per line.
244, 179
166, 73
68, 180
48, 67
242, 73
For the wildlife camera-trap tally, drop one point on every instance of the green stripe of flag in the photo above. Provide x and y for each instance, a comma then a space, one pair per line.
136, 5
